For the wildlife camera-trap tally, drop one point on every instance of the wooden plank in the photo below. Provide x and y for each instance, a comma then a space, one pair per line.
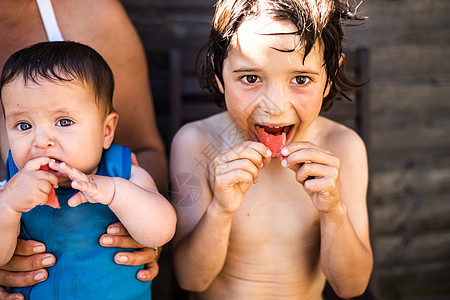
406, 64
417, 281
414, 213
402, 22
399, 105
415, 177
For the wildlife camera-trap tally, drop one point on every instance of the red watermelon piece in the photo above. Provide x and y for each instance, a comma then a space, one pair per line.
52, 198
275, 142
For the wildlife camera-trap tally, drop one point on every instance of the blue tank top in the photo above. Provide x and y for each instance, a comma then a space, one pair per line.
84, 269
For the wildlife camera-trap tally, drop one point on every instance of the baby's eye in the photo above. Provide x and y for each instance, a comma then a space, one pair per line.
23, 126
302, 80
64, 122
250, 78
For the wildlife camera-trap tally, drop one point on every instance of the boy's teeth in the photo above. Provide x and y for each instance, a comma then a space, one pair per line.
275, 130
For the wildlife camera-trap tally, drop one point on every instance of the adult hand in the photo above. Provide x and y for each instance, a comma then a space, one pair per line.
118, 236
26, 267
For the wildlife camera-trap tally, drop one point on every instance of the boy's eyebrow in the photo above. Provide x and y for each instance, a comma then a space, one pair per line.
246, 70
305, 71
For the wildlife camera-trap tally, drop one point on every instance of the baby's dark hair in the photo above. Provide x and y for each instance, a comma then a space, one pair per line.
63, 61
316, 20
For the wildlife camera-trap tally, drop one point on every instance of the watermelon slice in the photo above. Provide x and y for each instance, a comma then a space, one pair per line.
52, 198
275, 142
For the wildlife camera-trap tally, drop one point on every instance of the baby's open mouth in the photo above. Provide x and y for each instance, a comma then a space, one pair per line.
274, 137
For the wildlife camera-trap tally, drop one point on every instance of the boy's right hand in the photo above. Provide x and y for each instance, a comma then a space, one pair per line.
235, 170
30, 186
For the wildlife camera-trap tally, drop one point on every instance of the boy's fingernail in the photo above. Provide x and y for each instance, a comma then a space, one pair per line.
284, 162
113, 230
107, 241
39, 249
48, 261
284, 151
269, 153
122, 259
39, 276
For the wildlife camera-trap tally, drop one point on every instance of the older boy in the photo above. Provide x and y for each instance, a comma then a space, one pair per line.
283, 191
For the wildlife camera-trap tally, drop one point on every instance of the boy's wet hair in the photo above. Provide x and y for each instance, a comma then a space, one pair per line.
64, 61
316, 20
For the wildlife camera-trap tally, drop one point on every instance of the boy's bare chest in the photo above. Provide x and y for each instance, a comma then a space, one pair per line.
276, 209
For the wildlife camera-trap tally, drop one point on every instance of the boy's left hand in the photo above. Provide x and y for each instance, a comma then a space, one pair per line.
317, 170
92, 188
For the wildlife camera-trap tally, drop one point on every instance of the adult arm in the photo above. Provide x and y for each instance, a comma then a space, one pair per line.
106, 27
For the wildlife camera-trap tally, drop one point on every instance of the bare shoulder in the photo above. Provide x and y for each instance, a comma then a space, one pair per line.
340, 139
199, 134
86, 9
86, 21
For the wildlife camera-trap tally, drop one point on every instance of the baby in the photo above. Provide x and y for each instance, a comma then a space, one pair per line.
57, 101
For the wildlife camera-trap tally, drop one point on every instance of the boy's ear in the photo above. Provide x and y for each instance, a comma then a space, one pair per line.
329, 83
219, 84
109, 128
341, 59
327, 89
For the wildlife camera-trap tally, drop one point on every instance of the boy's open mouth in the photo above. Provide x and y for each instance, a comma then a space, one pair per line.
273, 130
274, 137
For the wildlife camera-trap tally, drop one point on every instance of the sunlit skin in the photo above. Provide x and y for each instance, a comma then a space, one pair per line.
40, 124
270, 228
265, 86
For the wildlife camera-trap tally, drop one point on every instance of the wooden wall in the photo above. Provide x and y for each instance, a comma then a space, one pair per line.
409, 41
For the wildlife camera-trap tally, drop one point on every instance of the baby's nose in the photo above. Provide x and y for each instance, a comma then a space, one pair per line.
43, 139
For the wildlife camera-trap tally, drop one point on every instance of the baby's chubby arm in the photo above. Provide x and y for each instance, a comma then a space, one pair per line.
337, 185
24, 191
146, 214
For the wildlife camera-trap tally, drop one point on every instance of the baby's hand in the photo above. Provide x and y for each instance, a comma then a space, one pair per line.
317, 170
92, 188
30, 186
235, 170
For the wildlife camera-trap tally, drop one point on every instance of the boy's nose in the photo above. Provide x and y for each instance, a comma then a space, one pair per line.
275, 103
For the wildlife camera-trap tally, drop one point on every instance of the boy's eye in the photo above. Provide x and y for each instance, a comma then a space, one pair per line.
64, 122
251, 78
301, 80
23, 126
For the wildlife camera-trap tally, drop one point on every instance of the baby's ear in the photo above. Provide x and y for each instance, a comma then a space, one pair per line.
109, 128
